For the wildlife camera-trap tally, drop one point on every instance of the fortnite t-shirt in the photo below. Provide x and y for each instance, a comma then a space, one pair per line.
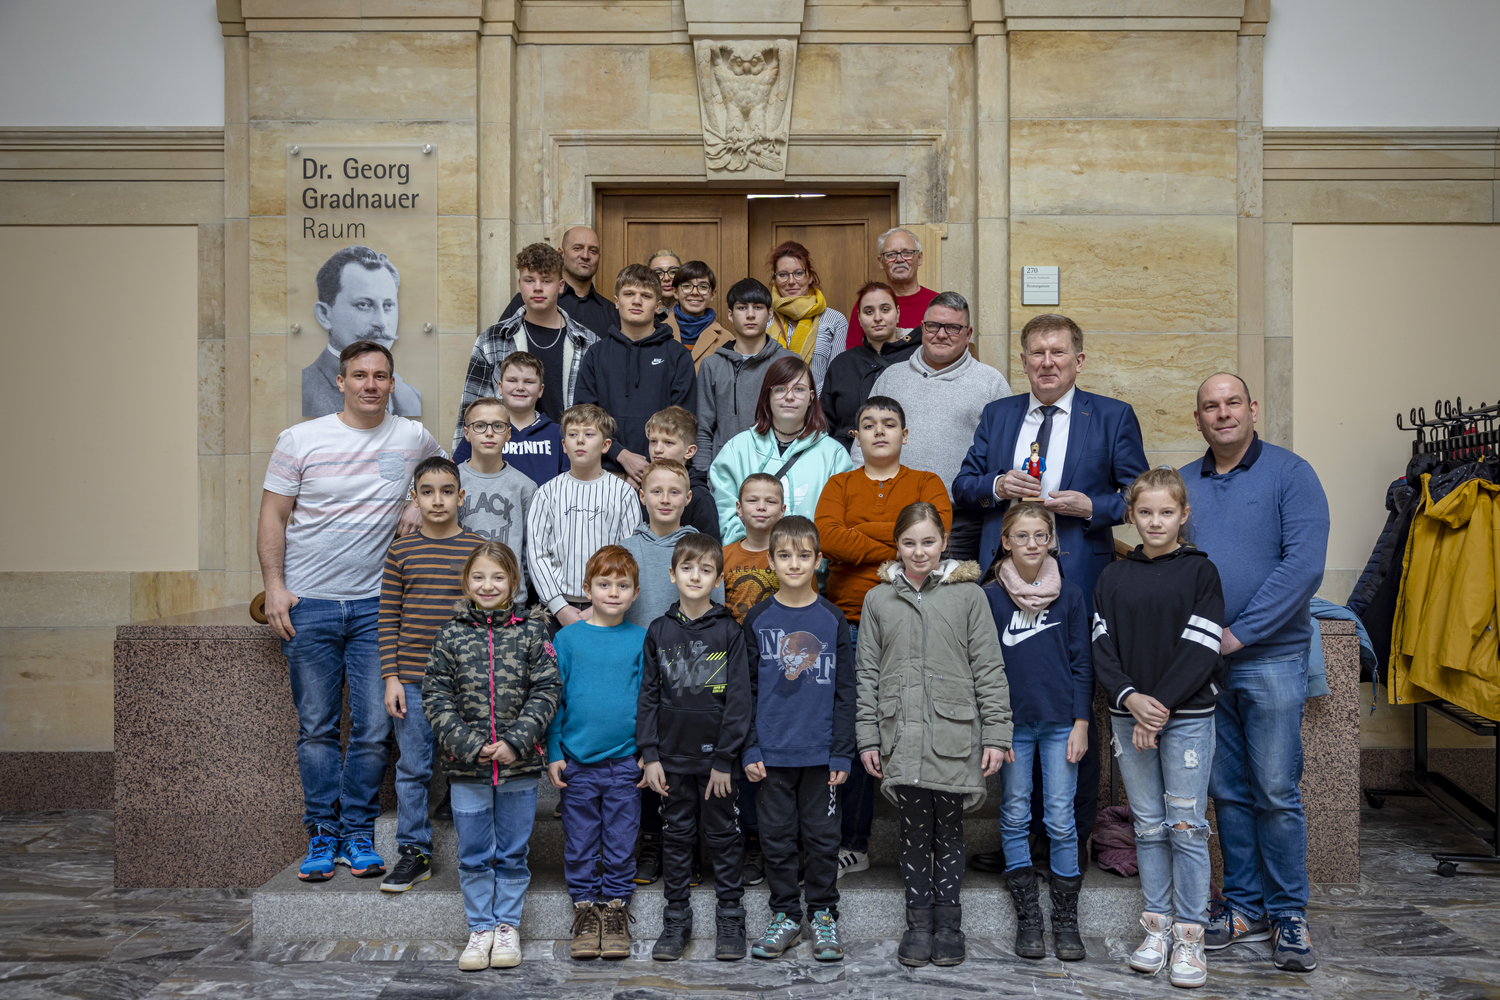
351, 486
748, 579
495, 508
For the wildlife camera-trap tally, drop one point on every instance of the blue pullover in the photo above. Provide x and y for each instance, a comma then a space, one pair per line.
802, 680
601, 682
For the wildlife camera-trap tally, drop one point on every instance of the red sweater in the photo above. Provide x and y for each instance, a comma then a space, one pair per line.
856, 519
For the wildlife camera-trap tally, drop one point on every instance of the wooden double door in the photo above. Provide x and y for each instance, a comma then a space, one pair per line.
733, 234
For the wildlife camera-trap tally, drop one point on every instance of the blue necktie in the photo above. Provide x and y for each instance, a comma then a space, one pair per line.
1044, 435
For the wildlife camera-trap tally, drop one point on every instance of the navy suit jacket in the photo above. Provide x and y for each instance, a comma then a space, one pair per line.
1104, 456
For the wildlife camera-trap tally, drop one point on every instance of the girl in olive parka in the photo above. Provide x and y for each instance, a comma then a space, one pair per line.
933, 719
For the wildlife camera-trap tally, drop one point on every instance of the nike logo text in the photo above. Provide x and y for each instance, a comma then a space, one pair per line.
1024, 625
657, 361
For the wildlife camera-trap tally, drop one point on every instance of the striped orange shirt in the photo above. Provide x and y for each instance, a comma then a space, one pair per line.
417, 591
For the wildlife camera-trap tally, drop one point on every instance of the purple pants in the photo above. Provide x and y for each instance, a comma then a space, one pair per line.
601, 815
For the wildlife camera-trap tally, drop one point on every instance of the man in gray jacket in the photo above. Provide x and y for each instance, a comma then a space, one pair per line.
729, 379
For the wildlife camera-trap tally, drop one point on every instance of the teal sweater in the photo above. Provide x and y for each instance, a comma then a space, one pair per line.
601, 682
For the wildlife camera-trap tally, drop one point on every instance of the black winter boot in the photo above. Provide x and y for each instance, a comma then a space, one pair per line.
1023, 893
1065, 939
916, 944
676, 932
729, 944
947, 935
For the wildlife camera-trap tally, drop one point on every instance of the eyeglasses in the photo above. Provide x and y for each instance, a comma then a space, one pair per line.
1026, 538
664, 272
480, 426
951, 329
798, 391
701, 287
796, 275
891, 256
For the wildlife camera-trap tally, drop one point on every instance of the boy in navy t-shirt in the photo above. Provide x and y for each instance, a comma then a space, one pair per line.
802, 739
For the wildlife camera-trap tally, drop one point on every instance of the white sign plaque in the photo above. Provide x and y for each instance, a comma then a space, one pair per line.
1040, 286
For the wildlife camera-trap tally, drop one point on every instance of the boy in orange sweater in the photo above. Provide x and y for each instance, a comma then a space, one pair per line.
856, 518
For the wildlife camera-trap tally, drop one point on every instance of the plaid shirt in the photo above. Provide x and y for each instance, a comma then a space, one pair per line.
499, 342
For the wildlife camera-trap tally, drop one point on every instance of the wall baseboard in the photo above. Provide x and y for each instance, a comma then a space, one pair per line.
58, 780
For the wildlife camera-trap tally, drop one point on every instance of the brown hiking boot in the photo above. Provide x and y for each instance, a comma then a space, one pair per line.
615, 938
585, 930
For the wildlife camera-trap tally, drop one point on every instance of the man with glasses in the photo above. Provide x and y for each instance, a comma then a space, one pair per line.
1090, 447
945, 389
900, 255
578, 298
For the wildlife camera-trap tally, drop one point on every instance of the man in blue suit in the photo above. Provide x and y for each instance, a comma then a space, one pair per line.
1091, 449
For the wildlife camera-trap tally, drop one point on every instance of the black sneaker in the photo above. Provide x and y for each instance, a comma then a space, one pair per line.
676, 932
755, 861
413, 867
648, 861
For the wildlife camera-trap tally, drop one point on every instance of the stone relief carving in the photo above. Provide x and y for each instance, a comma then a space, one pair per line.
745, 98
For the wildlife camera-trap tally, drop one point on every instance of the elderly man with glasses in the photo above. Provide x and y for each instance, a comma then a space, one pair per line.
899, 253
944, 389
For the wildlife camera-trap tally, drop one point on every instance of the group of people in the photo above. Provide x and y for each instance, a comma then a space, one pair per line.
714, 579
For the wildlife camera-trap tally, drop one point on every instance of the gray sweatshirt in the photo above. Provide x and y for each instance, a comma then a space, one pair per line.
654, 557
728, 389
942, 410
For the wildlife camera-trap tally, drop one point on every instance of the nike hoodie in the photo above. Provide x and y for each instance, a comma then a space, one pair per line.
1047, 661
631, 380
695, 707
1157, 628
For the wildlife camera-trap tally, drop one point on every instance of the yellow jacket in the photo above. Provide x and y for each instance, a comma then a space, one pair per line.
1444, 638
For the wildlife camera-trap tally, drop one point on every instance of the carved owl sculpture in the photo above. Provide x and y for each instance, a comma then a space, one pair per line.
746, 72
745, 87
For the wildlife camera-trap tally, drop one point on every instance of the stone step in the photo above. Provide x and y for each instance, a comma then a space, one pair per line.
872, 905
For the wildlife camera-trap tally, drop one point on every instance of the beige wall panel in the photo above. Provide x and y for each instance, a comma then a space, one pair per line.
893, 86
1122, 74
673, 97
962, 109
994, 179
211, 282
57, 689
992, 317
1360, 294
111, 203
818, 97
494, 172
496, 64
458, 273
958, 261
158, 595
1132, 273
457, 153
962, 199
597, 86
1115, 167
211, 512
267, 390
259, 462
409, 76
1158, 374
239, 512
210, 397
268, 276
529, 182
601, 18
453, 365
421, 8
1380, 201
236, 395
1276, 417
496, 274
64, 599
124, 298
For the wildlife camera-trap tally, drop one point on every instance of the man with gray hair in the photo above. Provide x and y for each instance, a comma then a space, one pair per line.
945, 389
900, 254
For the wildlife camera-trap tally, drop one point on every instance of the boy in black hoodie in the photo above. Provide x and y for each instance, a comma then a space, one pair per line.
635, 370
691, 723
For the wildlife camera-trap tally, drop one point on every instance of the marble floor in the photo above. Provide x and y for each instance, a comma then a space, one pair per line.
1403, 931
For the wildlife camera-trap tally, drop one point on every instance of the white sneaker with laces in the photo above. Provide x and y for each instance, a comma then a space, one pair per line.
1189, 965
506, 952
1152, 953
476, 954
853, 861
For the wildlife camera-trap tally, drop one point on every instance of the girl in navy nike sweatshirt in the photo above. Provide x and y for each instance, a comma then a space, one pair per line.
1158, 623
1043, 625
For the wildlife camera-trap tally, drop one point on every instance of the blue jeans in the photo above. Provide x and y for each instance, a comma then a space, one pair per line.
1168, 787
337, 642
857, 796
493, 823
413, 773
601, 815
1048, 742
1255, 786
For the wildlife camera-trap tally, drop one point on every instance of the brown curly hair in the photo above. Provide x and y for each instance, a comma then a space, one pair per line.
540, 258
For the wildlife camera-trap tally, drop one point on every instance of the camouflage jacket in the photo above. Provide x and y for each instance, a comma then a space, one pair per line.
490, 676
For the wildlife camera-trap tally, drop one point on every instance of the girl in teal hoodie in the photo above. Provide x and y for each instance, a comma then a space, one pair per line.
789, 441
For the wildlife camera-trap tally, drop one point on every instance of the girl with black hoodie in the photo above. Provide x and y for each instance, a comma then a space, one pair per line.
1158, 622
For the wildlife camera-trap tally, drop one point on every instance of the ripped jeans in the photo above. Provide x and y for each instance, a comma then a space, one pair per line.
1168, 787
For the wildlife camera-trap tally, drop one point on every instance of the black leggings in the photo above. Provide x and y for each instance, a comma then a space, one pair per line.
932, 845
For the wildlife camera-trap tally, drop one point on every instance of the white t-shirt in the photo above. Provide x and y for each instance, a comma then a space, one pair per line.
351, 486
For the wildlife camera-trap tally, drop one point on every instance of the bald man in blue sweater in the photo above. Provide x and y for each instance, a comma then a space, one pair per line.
1260, 514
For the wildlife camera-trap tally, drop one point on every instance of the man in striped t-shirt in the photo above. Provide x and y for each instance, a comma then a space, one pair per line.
335, 491
422, 581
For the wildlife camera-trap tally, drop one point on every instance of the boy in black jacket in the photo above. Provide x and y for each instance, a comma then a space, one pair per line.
691, 722
634, 370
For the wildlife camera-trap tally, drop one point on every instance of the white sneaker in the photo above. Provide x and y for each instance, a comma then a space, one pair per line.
506, 951
476, 954
1189, 967
1152, 953
853, 861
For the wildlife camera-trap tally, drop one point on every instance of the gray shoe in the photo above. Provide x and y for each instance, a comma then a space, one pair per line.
782, 934
1293, 950
825, 930
1227, 926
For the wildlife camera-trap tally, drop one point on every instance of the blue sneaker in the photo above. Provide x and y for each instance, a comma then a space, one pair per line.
1293, 950
321, 849
1227, 926
358, 854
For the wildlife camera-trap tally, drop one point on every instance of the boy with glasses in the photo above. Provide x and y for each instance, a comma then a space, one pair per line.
496, 495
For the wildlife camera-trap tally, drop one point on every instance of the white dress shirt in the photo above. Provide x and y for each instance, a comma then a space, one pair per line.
1057, 441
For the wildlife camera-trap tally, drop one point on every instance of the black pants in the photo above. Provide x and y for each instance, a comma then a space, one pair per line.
932, 845
789, 800
1085, 799
651, 812
685, 808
